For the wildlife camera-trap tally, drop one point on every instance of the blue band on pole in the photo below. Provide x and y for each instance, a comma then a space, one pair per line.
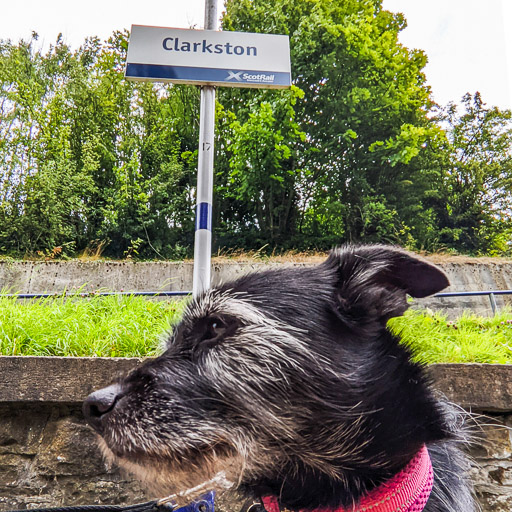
204, 216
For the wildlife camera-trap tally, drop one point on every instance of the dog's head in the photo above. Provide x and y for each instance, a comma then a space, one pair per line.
280, 379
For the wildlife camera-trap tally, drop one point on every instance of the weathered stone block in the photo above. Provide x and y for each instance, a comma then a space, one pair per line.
49, 457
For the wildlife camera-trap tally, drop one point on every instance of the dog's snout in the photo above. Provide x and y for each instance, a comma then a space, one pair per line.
98, 404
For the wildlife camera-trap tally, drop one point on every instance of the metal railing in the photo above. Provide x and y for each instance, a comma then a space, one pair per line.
94, 294
491, 293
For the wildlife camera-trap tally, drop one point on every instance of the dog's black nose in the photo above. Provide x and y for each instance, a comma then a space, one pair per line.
98, 404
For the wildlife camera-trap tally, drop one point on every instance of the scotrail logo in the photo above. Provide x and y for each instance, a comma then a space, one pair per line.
234, 76
259, 78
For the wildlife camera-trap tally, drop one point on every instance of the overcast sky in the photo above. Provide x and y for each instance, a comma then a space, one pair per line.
468, 42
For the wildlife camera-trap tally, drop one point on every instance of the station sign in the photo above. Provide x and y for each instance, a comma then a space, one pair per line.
208, 57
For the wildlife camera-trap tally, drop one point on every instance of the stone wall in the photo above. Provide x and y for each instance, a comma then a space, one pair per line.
472, 274
49, 457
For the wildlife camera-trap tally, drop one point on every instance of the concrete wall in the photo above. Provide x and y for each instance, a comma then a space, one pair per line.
54, 277
49, 457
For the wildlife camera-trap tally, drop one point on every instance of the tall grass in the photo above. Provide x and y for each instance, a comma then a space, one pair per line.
129, 326
469, 339
110, 326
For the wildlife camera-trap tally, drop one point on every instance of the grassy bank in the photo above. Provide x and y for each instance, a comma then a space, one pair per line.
469, 339
134, 326
110, 326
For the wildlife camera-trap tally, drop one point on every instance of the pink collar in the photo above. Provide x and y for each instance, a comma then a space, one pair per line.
407, 491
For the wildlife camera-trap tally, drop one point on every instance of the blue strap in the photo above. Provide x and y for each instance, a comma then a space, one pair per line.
206, 503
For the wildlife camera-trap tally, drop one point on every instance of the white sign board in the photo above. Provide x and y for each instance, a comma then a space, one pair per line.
208, 57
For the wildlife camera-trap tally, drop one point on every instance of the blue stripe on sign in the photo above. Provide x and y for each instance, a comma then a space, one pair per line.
204, 216
233, 77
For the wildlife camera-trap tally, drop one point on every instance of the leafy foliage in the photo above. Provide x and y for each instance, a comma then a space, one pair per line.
87, 155
363, 113
261, 171
354, 151
475, 207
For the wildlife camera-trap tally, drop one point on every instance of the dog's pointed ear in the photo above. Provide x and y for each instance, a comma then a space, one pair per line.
373, 281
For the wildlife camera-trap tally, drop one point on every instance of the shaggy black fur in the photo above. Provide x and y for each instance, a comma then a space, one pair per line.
290, 381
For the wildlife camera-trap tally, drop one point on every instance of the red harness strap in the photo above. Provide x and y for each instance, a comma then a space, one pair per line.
407, 491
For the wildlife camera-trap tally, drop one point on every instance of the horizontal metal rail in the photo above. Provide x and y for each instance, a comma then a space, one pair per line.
93, 294
462, 294
446, 295
491, 293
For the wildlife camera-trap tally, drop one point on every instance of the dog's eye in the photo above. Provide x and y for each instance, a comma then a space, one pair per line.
214, 330
211, 331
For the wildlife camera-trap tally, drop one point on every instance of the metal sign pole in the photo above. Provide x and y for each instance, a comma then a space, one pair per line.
203, 235
213, 58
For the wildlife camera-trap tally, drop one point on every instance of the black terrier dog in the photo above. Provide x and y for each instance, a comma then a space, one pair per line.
288, 384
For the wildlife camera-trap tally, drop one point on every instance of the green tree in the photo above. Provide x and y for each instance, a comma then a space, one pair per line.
261, 168
474, 209
353, 151
364, 114
86, 155
42, 190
